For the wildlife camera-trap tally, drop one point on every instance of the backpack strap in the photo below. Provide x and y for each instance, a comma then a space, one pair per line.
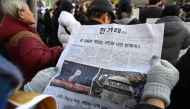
15, 39
67, 30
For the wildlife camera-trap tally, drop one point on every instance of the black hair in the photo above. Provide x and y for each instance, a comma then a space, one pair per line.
126, 9
81, 7
51, 10
96, 14
59, 3
153, 2
76, 7
57, 12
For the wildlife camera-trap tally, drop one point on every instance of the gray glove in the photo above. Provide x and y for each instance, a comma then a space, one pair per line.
161, 79
40, 80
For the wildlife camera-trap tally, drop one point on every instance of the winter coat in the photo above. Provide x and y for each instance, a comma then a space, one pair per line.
176, 37
66, 19
48, 23
92, 22
10, 79
82, 18
30, 54
41, 28
53, 37
152, 12
180, 96
146, 106
126, 20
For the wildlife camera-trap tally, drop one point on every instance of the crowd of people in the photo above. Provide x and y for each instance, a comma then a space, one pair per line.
36, 50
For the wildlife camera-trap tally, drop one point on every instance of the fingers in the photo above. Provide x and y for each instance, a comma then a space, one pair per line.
167, 64
155, 61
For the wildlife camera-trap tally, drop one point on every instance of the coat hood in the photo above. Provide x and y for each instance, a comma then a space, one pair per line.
125, 19
10, 26
173, 25
66, 18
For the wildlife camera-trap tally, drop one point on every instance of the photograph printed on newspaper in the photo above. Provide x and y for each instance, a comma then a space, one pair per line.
105, 66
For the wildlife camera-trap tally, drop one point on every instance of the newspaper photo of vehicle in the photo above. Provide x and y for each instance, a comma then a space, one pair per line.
119, 87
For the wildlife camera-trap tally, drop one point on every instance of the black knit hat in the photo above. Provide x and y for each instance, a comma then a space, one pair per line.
102, 6
171, 10
67, 6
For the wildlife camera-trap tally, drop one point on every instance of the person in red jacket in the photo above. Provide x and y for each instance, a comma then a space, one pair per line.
24, 46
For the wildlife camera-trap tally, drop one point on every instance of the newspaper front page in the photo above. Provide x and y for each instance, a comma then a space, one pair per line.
105, 66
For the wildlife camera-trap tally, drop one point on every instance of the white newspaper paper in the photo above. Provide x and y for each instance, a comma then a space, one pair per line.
151, 20
105, 66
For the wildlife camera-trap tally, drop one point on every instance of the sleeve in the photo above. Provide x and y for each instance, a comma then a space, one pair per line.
142, 19
83, 18
64, 38
38, 56
146, 106
186, 41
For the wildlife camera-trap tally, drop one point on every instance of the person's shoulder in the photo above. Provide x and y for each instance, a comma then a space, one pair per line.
159, 8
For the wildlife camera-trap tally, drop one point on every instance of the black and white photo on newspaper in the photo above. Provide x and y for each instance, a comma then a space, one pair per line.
105, 66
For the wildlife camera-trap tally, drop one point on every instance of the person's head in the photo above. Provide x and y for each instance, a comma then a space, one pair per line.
78, 72
124, 6
171, 10
87, 4
77, 8
19, 10
40, 11
154, 2
101, 10
51, 10
59, 3
67, 6
83, 8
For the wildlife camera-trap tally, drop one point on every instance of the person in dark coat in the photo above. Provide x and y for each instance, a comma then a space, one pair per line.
48, 21
180, 96
176, 36
153, 11
124, 13
82, 14
41, 27
53, 37
76, 14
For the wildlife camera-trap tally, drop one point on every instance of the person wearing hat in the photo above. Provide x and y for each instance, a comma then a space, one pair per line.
66, 22
176, 36
153, 11
124, 13
100, 12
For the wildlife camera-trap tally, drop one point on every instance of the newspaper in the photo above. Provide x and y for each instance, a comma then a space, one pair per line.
105, 66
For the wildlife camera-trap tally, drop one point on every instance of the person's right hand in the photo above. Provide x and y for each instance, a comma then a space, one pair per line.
161, 79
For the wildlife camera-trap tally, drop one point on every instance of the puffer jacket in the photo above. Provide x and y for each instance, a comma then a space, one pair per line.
30, 55
176, 37
127, 20
66, 19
